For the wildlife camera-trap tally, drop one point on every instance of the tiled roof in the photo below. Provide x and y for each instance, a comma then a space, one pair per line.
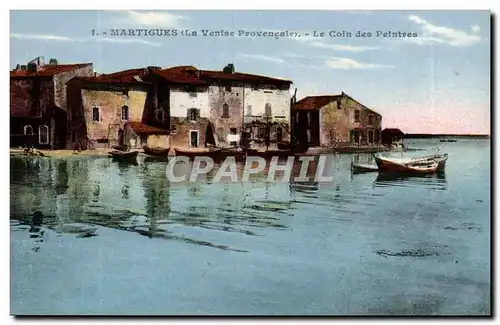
48, 70
181, 74
141, 128
130, 76
314, 102
252, 78
191, 75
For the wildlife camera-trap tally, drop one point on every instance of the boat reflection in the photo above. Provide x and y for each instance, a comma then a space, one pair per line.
435, 181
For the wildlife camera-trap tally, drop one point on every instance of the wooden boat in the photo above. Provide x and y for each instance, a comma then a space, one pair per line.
363, 168
448, 140
124, 155
194, 152
419, 165
156, 152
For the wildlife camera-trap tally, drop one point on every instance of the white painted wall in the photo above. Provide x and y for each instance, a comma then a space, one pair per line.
257, 99
181, 101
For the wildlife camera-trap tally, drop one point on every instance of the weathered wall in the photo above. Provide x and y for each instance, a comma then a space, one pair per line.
181, 101
158, 141
61, 80
255, 101
338, 120
31, 97
110, 105
180, 138
218, 96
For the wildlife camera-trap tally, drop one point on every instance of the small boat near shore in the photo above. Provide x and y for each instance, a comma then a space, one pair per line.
418, 165
194, 152
124, 155
156, 152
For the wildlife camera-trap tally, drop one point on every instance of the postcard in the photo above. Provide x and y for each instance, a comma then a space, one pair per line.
269, 163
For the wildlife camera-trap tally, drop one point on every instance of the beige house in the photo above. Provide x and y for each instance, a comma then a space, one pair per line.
335, 120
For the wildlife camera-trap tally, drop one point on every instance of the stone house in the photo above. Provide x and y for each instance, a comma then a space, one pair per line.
102, 106
38, 104
335, 120
214, 107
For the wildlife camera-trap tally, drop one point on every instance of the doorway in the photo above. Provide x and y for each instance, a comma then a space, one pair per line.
193, 138
233, 131
355, 136
121, 139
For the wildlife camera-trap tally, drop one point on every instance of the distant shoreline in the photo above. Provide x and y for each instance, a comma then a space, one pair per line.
456, 136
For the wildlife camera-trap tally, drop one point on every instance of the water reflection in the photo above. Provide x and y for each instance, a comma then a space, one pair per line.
433, 181
79, 195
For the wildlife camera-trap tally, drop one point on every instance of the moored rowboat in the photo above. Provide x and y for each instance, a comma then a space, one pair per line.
156, 152
123, 155
420, 165
194, 152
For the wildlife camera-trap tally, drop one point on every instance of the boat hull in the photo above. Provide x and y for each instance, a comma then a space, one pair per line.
424, 165
124, 156
156, 152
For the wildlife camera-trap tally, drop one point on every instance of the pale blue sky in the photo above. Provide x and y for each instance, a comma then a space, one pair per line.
437, 82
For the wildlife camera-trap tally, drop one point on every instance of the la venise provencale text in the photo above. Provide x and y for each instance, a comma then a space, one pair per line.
254, 33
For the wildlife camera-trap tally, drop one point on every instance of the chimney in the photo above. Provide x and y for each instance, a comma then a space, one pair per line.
23, 67
18, 67
32, 67
53, 61
229, 68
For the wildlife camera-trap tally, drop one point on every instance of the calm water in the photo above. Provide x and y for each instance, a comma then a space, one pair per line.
119, 239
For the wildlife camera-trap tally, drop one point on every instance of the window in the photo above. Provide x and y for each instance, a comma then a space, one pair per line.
249, 110
356, 116
377, 136
173, 129
268, 91
125, 113
95, 114
193, 114
338, 104
228, 89
43, 134
193, 94
225, 110
370, 136
370, 119
269, 111
28, 130
193, 138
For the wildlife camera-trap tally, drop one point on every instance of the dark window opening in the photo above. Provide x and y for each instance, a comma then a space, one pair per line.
193, 138
125, 113
28, 130
356, 116
95, 114
370, 119
225, 110
370, 136
43, 134
193, 114
173, 129
228, 89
